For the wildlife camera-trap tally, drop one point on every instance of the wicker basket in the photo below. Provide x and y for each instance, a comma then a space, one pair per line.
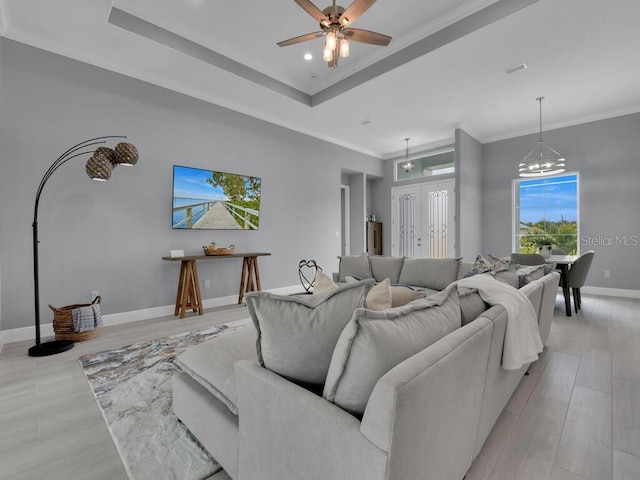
213, 250
63, 323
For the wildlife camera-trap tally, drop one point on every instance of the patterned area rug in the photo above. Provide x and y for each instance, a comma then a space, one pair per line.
133, 387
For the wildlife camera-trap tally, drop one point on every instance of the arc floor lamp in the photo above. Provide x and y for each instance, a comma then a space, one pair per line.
99, 167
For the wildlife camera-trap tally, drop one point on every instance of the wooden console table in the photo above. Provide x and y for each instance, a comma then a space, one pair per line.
189, 296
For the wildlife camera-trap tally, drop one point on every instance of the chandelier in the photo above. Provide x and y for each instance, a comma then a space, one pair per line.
407, 165
542, 160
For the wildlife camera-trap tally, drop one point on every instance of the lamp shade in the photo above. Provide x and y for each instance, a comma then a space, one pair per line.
108, 153
99, 167
126, 154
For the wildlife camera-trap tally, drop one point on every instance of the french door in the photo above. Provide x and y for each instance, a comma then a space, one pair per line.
422, 218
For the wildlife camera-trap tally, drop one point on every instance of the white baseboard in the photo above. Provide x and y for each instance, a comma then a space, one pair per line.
611, 292
46, 330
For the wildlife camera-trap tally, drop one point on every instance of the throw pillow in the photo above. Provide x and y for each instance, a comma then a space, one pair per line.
297, 334
529, 273
386, 267
356, 266
379, 297
471, 304
507, 274
401, 295
323, 283
433, 273
373, 343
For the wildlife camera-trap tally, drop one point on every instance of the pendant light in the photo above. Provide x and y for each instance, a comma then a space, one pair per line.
542, 160
407, 165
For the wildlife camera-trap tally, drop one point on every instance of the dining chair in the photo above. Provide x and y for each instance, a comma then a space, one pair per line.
558, 251
577, 275
527, 259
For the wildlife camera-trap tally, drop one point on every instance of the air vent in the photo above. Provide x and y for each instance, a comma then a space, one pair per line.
515, 68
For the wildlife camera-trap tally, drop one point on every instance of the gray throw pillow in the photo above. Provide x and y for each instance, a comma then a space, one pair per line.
354, 266
530, 273
508, 274
386, 267
297, 334
434, 273
373, 343
471, 304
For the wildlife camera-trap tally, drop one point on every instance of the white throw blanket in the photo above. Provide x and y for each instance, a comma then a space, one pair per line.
522, 342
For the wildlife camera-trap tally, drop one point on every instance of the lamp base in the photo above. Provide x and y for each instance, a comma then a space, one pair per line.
50, 348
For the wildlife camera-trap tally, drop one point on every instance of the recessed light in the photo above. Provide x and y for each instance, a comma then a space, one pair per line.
308, 56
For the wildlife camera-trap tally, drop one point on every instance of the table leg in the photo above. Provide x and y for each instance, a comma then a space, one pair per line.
188, 289
181, 279
196, 301
243, 275
250, 278
564, 270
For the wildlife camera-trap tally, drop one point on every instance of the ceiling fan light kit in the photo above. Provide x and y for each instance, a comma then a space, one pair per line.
334, 23
543, 160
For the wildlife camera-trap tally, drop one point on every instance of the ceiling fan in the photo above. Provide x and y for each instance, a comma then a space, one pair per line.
335, 24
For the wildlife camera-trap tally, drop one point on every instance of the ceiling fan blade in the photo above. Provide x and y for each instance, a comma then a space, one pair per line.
353, 11
365, 36
314, 11
302, 38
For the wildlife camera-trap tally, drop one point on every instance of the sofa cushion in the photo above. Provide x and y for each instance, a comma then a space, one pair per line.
373, 343
508, 274
211, 363
297, 334
434, 273
400, 294
386, 267
529, 273
471, 304
356, 266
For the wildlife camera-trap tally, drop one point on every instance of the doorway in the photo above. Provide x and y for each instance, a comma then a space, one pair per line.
345, 220
422, 219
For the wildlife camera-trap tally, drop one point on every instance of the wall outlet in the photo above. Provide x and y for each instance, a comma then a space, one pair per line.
607, 274
207, 283
94, 294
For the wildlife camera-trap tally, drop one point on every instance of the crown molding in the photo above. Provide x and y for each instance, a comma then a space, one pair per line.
556, 126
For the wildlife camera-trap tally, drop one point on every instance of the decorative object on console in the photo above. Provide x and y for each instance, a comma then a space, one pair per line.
215, 250
542, 160
99, 167
310, 268
334, 22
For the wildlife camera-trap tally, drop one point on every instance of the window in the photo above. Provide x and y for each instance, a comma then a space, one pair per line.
425, 165
546, 212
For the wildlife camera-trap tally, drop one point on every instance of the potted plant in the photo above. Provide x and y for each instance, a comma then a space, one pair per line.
544, 244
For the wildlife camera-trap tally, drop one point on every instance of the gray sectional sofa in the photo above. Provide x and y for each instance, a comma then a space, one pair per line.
262, 414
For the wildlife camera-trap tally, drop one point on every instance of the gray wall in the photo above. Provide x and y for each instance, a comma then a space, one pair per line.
111, 236
606, 154
358, 205
468, 195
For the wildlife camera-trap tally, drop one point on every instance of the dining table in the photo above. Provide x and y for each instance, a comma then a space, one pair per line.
563, 264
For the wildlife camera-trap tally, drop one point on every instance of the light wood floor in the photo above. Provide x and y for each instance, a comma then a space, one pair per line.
575, 417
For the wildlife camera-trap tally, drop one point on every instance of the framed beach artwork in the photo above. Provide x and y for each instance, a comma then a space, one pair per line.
213, 200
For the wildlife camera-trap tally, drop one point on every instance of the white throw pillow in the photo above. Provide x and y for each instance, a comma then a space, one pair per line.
323, 283
379, 297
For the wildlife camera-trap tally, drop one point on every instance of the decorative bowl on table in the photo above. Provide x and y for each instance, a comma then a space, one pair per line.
214, 250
